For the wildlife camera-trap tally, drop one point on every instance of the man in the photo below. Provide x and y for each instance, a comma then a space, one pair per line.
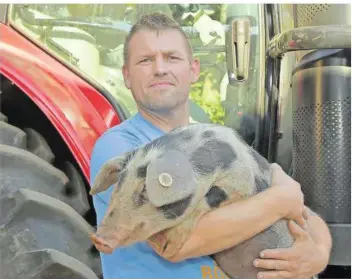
159, 70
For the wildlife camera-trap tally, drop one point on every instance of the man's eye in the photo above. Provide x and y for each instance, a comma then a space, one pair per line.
174, 58
145, 60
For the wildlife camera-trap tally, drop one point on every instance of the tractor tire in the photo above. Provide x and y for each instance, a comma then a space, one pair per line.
3, 118
42, 231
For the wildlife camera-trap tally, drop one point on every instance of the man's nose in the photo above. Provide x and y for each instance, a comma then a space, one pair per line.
160, 66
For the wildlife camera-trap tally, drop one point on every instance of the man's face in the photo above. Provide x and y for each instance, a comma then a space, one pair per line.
160, 70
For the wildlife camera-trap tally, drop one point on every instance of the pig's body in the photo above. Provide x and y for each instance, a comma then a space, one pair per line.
168, 184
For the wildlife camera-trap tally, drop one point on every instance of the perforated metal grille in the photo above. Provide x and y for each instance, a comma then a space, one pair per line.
306, 13
321, 140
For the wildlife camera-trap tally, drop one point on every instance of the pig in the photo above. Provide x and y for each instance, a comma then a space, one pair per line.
161, 189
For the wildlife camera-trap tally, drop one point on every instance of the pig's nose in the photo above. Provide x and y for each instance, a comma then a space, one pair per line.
101, 244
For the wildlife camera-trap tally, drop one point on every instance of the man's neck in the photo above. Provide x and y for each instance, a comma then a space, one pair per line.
166, 122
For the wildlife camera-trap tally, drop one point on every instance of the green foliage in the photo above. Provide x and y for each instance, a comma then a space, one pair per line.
206, 93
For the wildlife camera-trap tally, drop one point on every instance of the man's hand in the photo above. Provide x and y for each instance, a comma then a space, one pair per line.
303, 260
290, 194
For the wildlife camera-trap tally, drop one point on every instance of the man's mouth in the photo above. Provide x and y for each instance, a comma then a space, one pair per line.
161, 84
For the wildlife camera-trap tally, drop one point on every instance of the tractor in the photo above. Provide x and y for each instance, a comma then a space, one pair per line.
279, 74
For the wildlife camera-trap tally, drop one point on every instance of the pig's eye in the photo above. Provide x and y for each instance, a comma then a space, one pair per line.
142, 172
144, 193
111, 213
141, 198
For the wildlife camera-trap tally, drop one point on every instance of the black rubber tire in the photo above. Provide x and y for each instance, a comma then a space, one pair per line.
37, 145
3, 118
42, 231
12, 136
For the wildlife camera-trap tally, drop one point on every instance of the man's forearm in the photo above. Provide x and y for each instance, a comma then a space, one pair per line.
232, 224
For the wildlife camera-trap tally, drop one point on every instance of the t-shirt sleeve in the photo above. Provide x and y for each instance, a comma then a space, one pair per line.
110, 145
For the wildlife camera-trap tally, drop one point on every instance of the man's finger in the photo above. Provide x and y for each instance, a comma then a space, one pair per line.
296, 230
278, 254
305, 213
301, 222
274, 274
272, 264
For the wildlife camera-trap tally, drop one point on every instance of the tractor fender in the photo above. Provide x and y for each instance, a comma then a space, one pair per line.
77, 110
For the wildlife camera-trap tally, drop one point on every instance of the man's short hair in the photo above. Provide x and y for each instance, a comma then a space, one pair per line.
154, 22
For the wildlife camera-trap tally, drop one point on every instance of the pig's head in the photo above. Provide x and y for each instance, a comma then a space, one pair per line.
153, 191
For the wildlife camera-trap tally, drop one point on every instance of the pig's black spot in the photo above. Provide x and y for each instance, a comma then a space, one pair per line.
215, 196
176, 209
165, 140
261, 161
142, 171
128, 157
211, 155
111, 213
261, 184
208, 134
170, 140
186, 138
185, 135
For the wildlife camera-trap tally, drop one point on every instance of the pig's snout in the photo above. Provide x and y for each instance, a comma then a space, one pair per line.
101, 244
111, 237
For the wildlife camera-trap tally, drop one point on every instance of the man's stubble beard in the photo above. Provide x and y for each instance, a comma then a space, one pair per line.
166, 104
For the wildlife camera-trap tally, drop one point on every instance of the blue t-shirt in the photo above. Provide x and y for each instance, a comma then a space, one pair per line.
139, 261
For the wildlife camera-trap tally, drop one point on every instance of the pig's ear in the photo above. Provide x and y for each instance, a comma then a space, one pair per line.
107, 175
170, 178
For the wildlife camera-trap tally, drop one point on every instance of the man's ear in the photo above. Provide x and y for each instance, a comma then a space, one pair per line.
126, 76
195, 69
108, 175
